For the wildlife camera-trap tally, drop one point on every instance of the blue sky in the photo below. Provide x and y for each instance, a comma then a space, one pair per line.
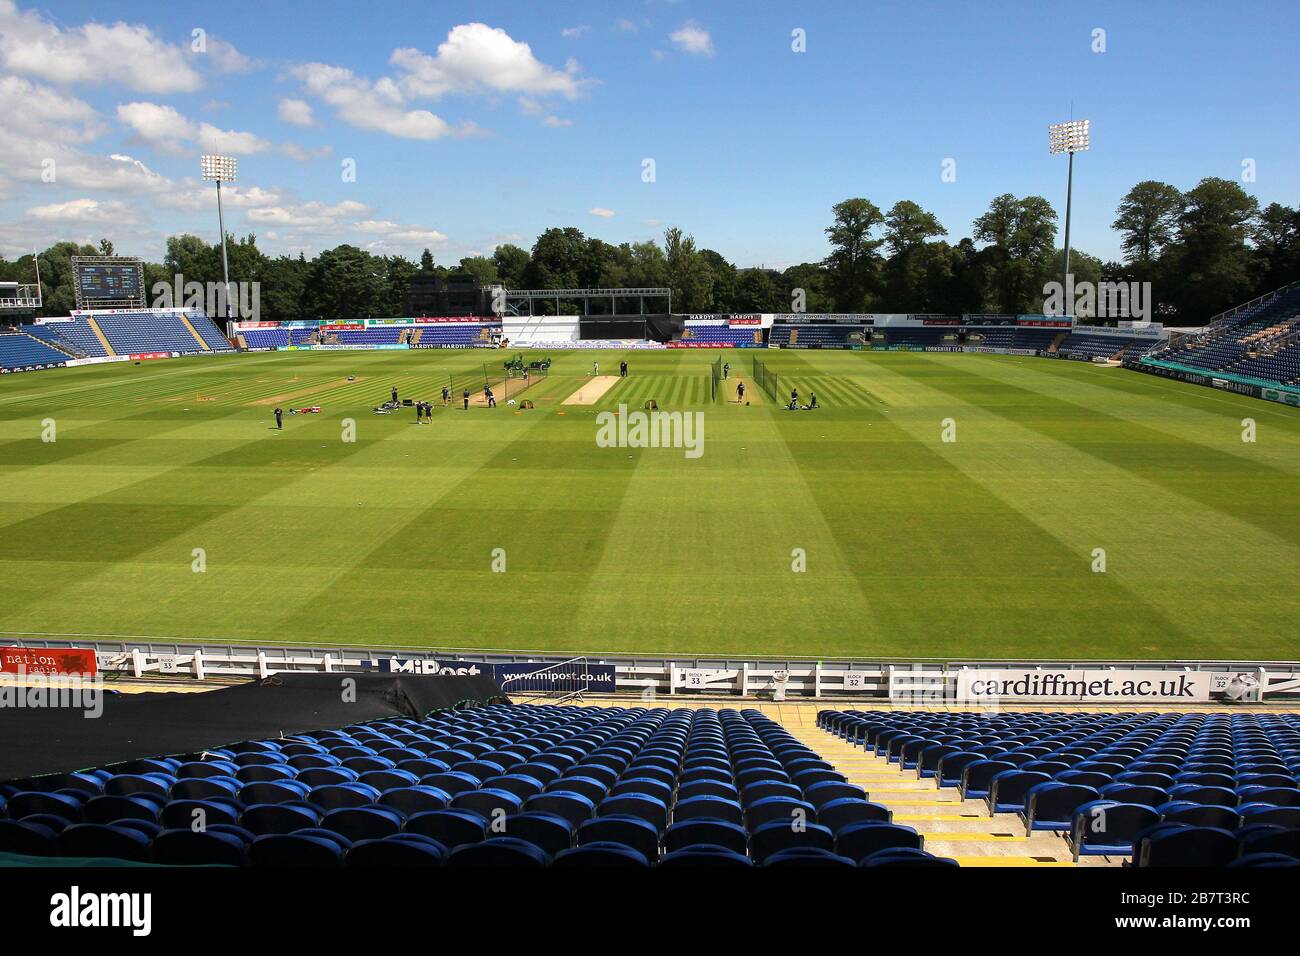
472, 124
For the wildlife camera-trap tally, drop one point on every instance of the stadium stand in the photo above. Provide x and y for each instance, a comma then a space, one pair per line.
159, 330
50, 336
1258, 340
1170, 789
19, 350
721, 334
77, 332
814, 336
577, 786
921, 337
265, 338
99, 334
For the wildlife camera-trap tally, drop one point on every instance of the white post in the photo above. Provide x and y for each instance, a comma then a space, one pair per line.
198, 665
744, 679
261, 665
137, 662
328, 664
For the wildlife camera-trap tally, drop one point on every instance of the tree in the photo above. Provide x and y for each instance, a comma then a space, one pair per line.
511, 262
283, 286
556, 259
1211, 260
1277, 246
854, 256
58, 292
483, 269
808, 278
426, 261
649, 268
907, 227
1147, 218
726, 293
1020, 234
345, 283
689, 275
757, 291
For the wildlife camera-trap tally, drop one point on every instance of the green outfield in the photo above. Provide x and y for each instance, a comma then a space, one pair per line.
914, 547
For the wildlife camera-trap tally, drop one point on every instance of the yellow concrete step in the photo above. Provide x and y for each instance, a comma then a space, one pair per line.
987, 861
99, 334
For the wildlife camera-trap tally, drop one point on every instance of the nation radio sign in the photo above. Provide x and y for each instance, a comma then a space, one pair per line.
48, 660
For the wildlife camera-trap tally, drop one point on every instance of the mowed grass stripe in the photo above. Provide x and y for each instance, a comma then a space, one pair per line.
1185, 414
530, 498
921, 544
1256, 493
700, 558
1160, 547
914, 548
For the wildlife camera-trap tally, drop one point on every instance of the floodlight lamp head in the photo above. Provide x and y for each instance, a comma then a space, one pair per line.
220, 169
1072, 137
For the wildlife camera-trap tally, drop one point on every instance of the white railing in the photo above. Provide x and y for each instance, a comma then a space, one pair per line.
652, 677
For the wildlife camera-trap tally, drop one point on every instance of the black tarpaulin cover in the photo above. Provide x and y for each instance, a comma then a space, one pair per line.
44, 740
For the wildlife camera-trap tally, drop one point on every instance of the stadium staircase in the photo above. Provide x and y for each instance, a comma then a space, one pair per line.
55, 342
1056, 342
195, 332
99, 334
415, 336
961, 830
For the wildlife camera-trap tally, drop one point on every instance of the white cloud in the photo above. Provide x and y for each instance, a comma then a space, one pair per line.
624, 25
164, 128
557, 122
394, 233
377, 106
601, 212
215, 140
311, 216
227, 59
158, 125
302, 154
192, 195
573, 33
476, 57
34, 110
92, 53
296, 112
692, 38
84, 210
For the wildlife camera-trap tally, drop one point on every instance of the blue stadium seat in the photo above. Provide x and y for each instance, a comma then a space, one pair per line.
641, 835
499, 851
705, 856
859, 840
197, 848
296, 849
601, 854
400, 850
451, 828
103, 840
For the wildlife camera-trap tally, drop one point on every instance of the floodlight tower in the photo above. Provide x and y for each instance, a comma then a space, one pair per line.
1072, 137
219, 169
